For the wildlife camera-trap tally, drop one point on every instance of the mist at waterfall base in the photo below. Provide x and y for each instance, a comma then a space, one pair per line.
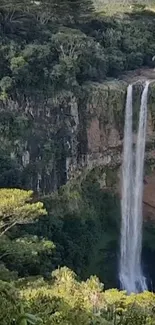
131, 274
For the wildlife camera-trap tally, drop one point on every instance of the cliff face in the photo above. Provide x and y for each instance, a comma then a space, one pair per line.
36, 135
49, 141
104, 131
101, 122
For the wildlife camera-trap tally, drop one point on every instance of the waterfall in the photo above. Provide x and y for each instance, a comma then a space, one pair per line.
127, 186
131, 275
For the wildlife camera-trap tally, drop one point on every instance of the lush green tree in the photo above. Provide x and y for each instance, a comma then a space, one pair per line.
9, 299
16, 208
27, 255
50, 51
66, 300
64, 10
15, 14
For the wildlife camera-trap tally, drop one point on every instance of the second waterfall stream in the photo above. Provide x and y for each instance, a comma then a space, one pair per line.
131, 275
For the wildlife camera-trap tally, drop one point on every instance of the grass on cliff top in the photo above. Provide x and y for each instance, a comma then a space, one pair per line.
112, 7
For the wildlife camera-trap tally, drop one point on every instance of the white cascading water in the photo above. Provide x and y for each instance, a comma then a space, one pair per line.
131, 275
127, 172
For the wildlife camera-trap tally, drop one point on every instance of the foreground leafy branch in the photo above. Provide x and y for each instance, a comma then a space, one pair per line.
16, 207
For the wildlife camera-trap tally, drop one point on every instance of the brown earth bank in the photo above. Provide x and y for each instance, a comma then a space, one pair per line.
139, 74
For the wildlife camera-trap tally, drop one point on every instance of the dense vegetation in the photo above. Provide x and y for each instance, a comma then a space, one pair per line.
46, 59
60, 47
65, 300
49, 50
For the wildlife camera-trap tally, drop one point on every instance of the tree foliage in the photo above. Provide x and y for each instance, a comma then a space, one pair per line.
49, 54
65, 300
16, 207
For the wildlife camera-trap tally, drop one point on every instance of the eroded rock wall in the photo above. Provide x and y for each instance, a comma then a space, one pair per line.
52, 140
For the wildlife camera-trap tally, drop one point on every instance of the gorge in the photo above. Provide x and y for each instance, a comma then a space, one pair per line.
88, 163
85, 143
77, 162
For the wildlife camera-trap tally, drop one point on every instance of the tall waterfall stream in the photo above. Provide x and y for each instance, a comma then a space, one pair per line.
131, 275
